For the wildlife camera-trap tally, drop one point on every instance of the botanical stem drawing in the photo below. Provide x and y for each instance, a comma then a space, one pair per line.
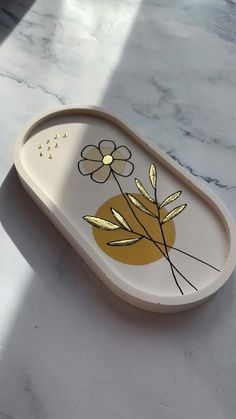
108, 161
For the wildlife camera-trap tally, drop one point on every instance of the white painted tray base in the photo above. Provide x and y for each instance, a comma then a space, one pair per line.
204, 229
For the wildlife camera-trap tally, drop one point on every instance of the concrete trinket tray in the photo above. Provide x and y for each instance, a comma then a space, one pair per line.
156, 236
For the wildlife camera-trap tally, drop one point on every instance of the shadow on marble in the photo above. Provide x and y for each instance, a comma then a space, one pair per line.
11, 13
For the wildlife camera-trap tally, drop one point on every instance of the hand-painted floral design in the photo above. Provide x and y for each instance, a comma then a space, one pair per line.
101, 161
107, 160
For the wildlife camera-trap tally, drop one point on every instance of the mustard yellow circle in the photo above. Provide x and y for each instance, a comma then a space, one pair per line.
144, 251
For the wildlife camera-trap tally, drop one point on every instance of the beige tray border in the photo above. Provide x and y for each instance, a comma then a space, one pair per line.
128, 293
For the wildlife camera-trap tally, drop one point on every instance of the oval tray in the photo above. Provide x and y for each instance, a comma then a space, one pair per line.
156, 237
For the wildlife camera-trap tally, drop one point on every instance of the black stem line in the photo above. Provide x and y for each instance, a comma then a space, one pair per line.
150, 238
174, 267
178, 250
164, 241
173, 273
154, 242
191, 256
127, 200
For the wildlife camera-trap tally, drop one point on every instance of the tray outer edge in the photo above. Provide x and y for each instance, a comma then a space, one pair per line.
128, 293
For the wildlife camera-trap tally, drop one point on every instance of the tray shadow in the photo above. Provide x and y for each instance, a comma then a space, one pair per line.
12, 12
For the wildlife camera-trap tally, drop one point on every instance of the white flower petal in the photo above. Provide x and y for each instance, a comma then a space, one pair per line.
121, 153
122, 167
90, 152
86, 167
106, 147
102, 174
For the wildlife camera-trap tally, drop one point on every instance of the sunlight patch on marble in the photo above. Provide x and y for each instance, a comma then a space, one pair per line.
96, 27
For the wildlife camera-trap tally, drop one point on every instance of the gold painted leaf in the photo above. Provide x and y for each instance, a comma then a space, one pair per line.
121, 220
143, 190
124, 242
139, 205
170, 198
100, 223
153, 175
173, 213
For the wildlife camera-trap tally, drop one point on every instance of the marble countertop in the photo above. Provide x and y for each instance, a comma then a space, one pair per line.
68, 348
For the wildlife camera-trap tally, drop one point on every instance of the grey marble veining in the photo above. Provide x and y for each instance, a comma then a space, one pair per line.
68, 348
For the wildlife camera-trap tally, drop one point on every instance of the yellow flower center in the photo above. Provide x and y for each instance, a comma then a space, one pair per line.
108, 159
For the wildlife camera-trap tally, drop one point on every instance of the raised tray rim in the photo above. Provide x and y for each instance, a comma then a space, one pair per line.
129, 293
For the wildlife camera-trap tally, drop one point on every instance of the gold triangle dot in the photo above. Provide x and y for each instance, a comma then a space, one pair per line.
56, 137
56, 145
40, 146
65, 135
50, 156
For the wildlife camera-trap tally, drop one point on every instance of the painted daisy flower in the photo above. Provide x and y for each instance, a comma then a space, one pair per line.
101, 161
